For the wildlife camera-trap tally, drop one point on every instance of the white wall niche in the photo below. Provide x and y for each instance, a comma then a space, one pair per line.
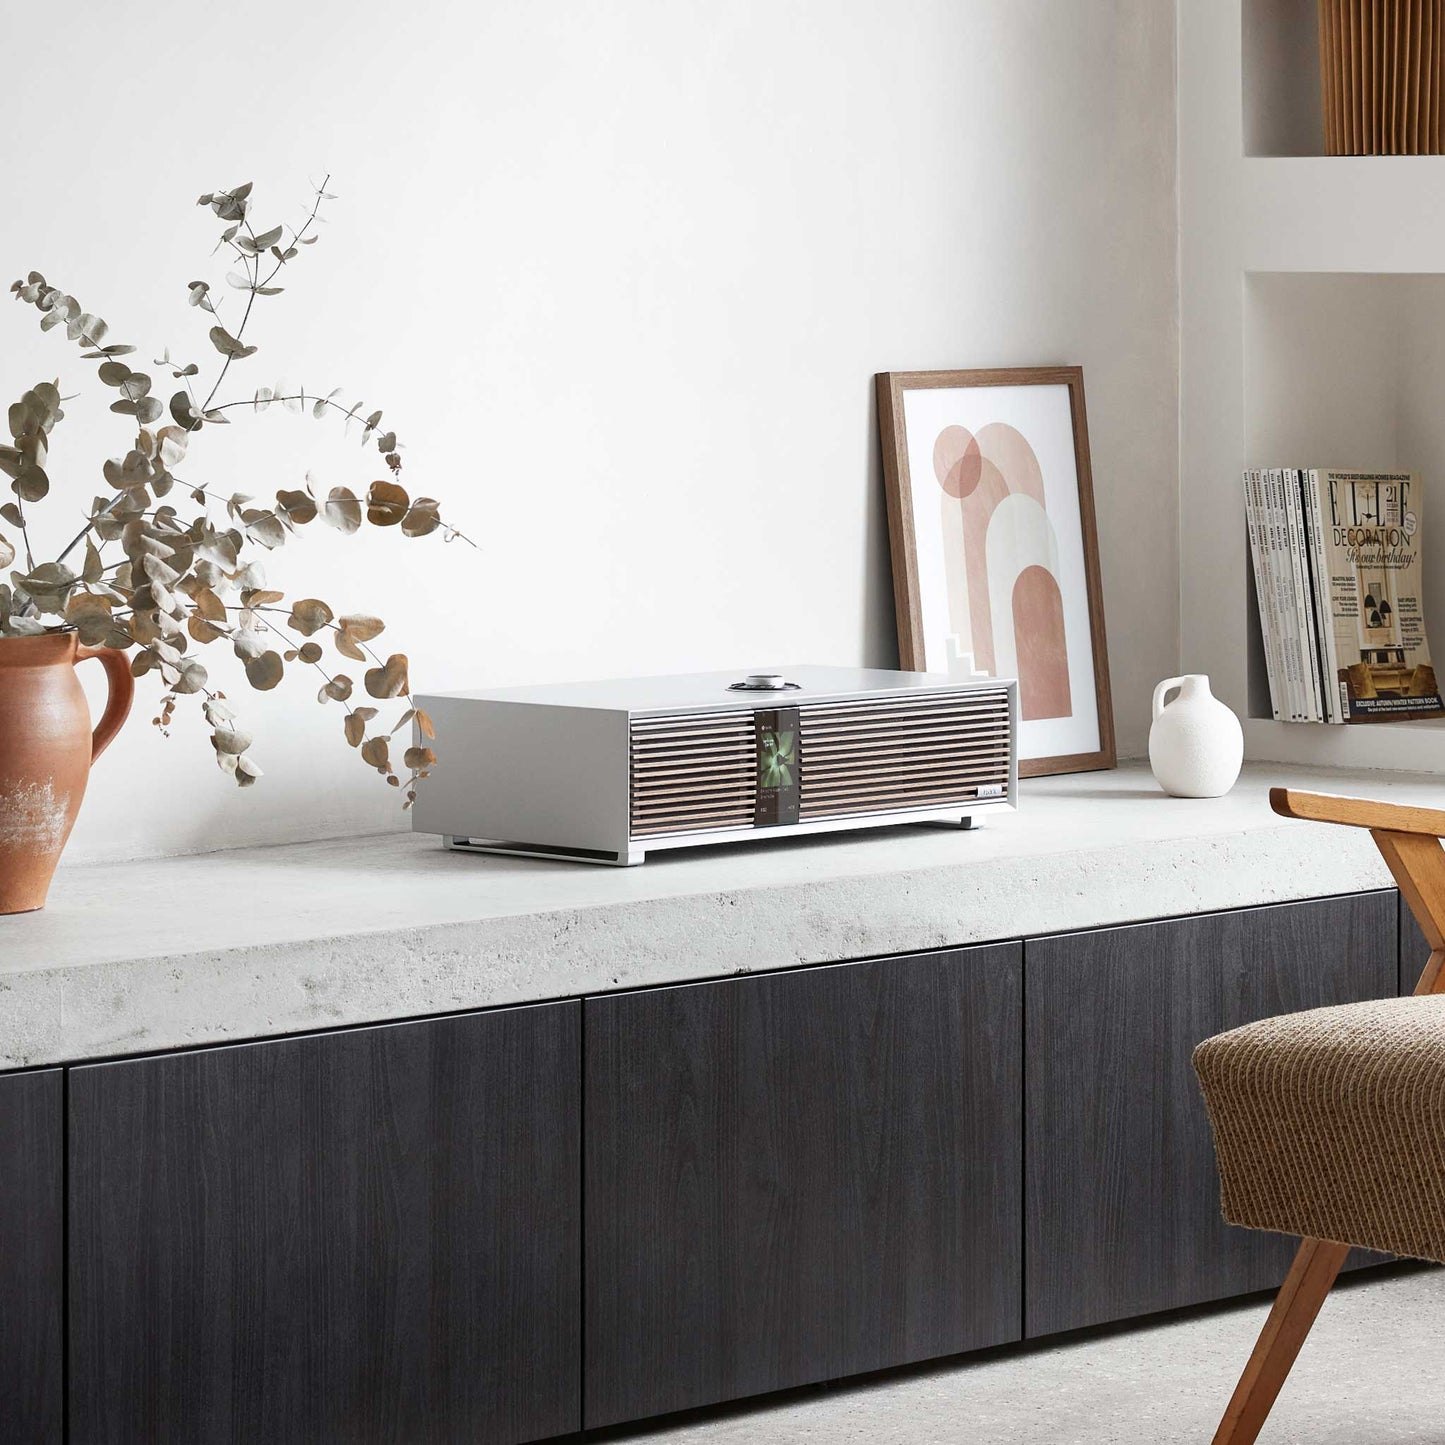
1280, 50
1347, 369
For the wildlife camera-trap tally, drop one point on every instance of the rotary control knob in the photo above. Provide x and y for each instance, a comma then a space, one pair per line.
763, 682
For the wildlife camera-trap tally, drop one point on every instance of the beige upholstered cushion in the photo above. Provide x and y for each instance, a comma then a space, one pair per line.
1331, 1123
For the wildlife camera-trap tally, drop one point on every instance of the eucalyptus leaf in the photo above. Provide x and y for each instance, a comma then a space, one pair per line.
32, 484
265, 528
171, 445
247, 643
184, 413
208, 605
342, 510
422, 518
347, 646
298, 507
193, 678
386, 504
230, 740
360, 627
228, 345
376, 752
265, 671
309, 616
388, 680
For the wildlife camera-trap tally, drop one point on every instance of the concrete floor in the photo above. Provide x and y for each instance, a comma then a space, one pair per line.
1372, 1373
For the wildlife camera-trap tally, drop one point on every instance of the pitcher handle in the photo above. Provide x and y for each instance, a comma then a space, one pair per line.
1168, 685
117, 704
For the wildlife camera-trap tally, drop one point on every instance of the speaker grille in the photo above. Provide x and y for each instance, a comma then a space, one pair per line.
699, 773
693, 774
886, 756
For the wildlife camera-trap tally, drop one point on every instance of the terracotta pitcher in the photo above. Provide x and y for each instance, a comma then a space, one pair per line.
46, 749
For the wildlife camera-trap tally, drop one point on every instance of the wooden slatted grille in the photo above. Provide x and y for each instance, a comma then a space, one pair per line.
698, 773
693, 774
887, 756
1382, 73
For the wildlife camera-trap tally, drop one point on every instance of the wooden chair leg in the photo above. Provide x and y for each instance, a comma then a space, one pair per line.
1295, 1306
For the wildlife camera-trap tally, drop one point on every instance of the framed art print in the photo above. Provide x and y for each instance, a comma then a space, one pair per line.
995, 556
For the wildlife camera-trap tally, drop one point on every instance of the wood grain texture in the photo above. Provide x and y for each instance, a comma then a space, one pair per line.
1358, 812
800, 1176
1122, 1211
367, 1236
891, 387
1317, 1263
32, 1278
1418, 864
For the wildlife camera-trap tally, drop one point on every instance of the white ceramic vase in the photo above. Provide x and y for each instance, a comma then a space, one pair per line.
1196, 745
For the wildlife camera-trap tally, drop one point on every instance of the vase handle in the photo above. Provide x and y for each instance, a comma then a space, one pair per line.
122, 690
1168, 685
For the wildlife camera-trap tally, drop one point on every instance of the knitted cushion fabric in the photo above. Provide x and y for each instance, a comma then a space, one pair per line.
1331, 1123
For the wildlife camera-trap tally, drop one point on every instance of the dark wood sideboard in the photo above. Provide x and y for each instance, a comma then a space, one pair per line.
517, 1224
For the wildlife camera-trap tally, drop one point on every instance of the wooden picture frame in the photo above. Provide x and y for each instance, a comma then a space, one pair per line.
977, 446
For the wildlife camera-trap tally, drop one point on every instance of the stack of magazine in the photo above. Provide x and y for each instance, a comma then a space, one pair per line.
1337, 573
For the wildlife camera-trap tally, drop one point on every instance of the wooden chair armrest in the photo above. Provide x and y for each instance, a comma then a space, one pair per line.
1358, 812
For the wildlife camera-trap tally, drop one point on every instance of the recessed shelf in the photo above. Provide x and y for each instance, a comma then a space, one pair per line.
1281, 72
1348, 370
1283, 112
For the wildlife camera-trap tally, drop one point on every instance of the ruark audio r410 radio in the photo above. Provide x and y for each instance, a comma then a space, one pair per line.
605, 772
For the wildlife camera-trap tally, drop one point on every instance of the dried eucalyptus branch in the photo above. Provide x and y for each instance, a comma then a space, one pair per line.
198, 579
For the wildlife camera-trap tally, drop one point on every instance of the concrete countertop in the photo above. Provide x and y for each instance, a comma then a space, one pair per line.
152, 955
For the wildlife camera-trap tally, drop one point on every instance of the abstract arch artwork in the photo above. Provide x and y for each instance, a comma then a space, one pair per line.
1000, 560
995, 557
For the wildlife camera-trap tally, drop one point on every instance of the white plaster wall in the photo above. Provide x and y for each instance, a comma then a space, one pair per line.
621, 275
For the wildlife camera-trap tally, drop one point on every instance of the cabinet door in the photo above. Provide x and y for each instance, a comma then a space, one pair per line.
799, 1176
1122, 1214
367, 1236
31, 1253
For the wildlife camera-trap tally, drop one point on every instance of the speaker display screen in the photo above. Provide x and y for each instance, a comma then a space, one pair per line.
778, 766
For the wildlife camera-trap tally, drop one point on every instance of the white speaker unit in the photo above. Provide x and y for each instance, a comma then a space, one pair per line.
605, 772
